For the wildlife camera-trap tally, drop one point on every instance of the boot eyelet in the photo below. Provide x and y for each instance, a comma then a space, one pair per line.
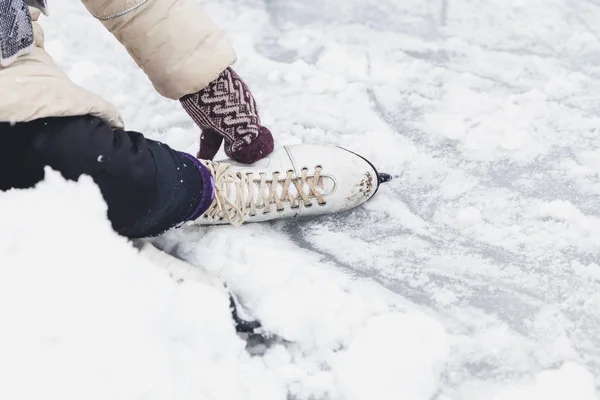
309, 205
319, 166
323, 204
280, 210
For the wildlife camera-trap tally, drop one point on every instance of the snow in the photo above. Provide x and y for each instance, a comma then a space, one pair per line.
571, 381
473, 275
375, 364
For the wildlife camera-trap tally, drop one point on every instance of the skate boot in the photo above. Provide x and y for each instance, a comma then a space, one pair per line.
293, 181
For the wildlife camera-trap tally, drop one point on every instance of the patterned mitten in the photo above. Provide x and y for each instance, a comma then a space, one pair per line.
226, 110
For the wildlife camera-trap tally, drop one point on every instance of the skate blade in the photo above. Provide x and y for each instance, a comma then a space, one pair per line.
382, 177
244, 323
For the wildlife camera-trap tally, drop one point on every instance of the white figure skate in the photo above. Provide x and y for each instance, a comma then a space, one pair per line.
293, 181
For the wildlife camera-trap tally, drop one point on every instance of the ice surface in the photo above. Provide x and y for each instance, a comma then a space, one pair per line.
487, 243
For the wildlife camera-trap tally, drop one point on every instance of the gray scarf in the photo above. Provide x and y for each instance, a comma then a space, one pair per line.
16, 31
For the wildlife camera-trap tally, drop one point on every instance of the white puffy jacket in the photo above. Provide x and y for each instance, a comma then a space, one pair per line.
174, 42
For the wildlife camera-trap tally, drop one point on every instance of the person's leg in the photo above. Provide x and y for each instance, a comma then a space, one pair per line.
149, 188
13, 169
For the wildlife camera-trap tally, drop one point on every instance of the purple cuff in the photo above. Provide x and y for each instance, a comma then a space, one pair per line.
208, 187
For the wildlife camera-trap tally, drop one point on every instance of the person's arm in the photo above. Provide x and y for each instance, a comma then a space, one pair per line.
175, 42
187, 57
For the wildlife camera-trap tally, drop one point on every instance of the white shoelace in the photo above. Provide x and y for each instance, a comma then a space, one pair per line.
254, 194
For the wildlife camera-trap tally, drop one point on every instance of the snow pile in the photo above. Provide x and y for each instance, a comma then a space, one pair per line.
338, 336
571, 381
388, 345
84, 316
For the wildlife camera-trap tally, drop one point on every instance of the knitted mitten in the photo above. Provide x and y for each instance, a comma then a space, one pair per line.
226, 110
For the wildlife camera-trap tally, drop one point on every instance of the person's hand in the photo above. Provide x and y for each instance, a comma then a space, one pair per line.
226, 111
210, 143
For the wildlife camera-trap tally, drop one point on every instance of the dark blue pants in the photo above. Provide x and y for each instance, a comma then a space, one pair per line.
149, 188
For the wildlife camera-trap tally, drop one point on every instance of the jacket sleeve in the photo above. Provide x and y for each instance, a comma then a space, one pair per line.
174, 41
